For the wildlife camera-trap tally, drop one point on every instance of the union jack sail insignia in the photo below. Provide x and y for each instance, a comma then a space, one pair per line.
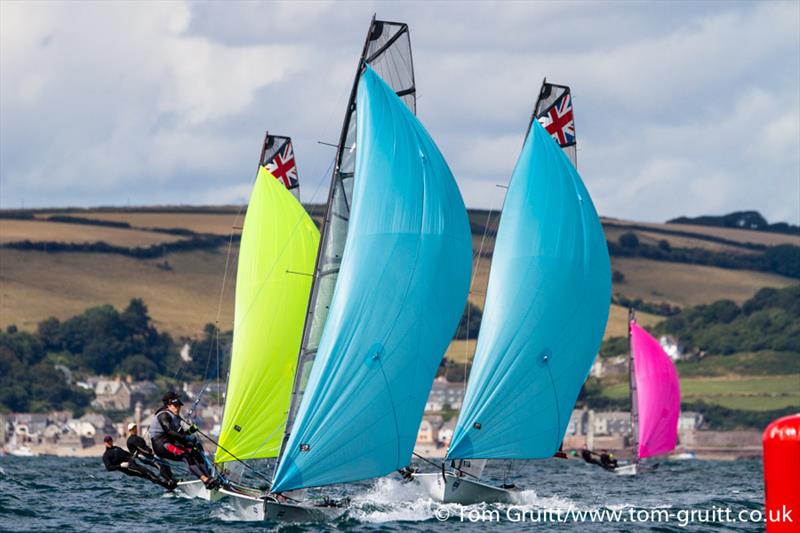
559, 121
283, 167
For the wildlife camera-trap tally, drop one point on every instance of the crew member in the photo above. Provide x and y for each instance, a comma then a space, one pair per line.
117, 459
171, 441
604, 459
144, 454
608, 461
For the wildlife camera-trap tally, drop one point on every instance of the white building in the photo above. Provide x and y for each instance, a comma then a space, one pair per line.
446, 432
611, 423
445, 395
689, 421
671, 347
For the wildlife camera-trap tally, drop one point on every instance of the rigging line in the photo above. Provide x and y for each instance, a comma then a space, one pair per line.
555, 397
212, 441
323, 143
266, 439
394, 411
471, 283
453, 466
299, 273
215, 342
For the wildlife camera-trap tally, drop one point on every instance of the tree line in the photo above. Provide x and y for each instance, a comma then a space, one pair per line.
99, 341
782, 259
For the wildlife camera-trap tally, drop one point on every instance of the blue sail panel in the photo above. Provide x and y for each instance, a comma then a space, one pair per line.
546, 309
401, 289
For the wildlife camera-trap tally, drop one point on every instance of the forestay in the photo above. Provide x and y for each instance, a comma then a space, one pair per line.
401, 288
276, 257
546, 308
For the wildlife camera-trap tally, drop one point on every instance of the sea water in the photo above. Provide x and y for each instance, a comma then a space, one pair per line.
66, 494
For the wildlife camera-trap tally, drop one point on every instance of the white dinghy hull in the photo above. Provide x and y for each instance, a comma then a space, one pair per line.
196, 489
627, 470
292, 512
253, 508
453, 489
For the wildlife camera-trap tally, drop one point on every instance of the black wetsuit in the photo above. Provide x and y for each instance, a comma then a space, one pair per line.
170, 442
113, 459
604, 460
137, 445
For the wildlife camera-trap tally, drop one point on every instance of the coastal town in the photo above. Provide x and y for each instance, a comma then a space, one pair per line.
119, 402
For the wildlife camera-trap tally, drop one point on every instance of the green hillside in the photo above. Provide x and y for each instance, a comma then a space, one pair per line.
60, 262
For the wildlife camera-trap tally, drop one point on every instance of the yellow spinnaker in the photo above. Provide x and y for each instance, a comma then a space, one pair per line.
276, 260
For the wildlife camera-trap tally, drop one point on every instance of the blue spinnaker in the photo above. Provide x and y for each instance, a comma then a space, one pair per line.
546, 309
401, 289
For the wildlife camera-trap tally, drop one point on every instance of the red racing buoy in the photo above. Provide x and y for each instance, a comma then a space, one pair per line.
781, 443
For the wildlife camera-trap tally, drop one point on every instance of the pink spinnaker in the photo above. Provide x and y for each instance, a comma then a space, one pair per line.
658, 394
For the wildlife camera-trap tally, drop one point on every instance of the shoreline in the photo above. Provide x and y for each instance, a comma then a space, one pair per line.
429, 452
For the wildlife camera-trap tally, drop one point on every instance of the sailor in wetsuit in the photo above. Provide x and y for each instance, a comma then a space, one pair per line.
171, 441
117, 459
144, 454
603, 459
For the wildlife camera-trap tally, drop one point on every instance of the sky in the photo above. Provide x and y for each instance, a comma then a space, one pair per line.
682, 108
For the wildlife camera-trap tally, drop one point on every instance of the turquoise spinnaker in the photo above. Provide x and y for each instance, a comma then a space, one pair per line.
401, 289
546, 309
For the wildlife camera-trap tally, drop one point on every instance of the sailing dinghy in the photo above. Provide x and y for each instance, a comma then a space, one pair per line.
276, 258
547, 304
390, 284
655, 399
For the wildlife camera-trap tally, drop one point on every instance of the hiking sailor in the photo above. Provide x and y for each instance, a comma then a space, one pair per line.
117, 459
171, 441
144, 454
603, 459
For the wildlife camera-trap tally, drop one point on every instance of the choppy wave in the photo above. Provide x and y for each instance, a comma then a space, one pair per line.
46, 494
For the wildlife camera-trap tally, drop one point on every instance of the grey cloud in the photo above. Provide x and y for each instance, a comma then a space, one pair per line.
681, 108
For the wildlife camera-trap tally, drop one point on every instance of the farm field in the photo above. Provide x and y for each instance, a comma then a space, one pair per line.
12, 230
749, 363
35, 285
214, 223
757, 393
732, 234
676, 241
685, 284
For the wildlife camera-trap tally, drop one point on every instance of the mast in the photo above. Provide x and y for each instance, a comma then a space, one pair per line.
334, 229
632, 388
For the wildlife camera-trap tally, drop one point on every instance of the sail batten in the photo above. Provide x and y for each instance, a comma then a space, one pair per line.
400, 290
546, 308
